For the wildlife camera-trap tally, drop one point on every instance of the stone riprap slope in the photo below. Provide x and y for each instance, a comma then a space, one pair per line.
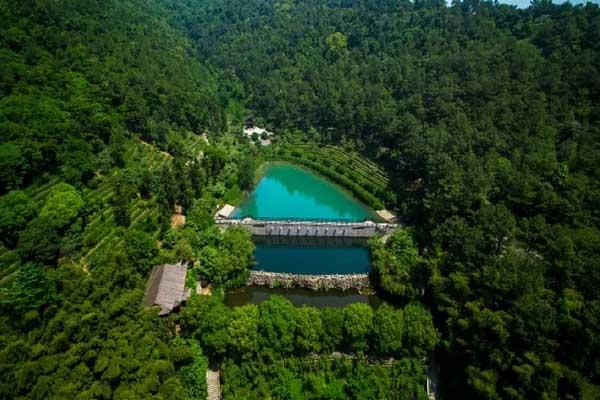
313, 282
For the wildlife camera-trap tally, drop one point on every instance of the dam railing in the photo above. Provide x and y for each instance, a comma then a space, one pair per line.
297, 227
305, 219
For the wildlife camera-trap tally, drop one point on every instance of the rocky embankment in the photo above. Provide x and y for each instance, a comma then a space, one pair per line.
314, 282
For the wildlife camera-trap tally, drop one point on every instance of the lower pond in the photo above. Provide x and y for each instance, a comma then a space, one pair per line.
311, 256
312, 260
300, 297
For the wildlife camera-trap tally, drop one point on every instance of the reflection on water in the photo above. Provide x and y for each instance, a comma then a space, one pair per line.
299, 297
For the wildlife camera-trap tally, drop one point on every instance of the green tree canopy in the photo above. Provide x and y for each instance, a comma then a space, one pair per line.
62, 205
395, 263
30, 289
358, 324
140, 249
16, 209
278, 324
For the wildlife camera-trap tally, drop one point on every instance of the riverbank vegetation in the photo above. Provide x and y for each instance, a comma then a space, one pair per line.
329, 378
396, 265
277, 350
485, 117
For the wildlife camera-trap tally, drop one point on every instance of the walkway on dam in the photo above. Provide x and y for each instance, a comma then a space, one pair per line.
316, 228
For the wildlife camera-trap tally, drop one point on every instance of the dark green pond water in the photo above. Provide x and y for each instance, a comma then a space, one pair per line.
312, 256
288, 191
312, 260
300, 297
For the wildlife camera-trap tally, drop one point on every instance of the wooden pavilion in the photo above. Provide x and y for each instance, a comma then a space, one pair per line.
166, 288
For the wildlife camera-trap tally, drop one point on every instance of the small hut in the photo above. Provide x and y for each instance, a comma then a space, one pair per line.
387, 216
225, 212
166, 288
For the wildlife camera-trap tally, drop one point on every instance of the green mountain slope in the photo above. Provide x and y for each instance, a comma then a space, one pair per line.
76, 74
487, 119
481, 125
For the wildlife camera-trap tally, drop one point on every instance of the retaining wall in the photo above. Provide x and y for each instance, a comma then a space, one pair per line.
314, 282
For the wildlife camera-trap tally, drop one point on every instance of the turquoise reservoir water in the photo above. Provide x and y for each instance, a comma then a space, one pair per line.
288, 191
312, 260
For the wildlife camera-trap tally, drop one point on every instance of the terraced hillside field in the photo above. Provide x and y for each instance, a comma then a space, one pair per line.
100, 232
363, 177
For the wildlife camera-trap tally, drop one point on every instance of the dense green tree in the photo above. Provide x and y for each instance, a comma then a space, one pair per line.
192, 375
76, 161
225, 257
199, 216
278, 324
419, 335
16, 209
247, 172
243, 331
395, 263
74, 110
13, 166
62, 206
215, 158
309, 330
207, 319
117, 148
123, 193
140, 249
388, 331
197, 177
39, 242
484, 115
31, 289
358, 324
136, 359
333, 328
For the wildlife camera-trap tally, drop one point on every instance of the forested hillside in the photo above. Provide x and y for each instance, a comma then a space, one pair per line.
89, 94
77, 76
485, 117
488, 118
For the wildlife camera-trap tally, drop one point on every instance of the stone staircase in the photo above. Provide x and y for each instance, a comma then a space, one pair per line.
213, 385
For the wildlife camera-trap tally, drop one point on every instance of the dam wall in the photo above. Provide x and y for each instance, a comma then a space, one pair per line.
296, 228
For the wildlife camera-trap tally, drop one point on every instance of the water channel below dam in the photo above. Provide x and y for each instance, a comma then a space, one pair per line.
300, 297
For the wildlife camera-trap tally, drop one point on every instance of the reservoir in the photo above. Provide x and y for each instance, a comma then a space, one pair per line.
287, 191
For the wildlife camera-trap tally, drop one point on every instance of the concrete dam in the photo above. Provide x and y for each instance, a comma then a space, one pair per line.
297, 228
